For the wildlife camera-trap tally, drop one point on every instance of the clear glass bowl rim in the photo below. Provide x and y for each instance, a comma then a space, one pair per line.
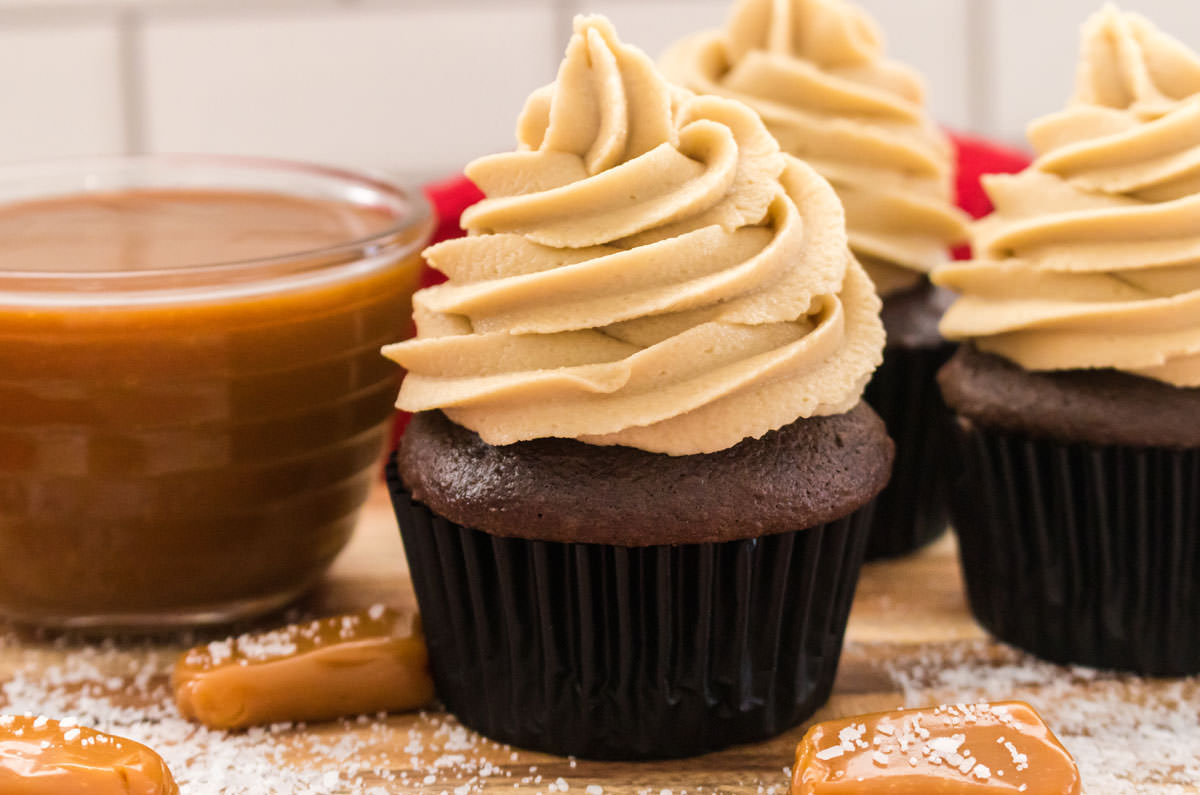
398, 240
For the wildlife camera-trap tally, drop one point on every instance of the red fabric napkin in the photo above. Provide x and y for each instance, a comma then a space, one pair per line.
976, 157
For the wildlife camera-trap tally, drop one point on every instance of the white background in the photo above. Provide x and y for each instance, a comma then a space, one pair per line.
418, 87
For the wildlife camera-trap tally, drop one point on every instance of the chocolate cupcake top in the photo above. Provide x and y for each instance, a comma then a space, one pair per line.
816, 73
648, 270
1092, 258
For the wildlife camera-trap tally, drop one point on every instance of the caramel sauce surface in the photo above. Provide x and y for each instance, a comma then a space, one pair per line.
153, 229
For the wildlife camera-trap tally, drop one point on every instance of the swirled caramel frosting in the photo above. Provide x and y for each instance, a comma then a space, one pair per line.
1092, 257
647, 269
815, 71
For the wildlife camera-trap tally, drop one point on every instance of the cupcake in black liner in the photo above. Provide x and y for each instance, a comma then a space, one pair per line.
635, 491
818, 75
621, 650
912, 510
1078, 399
1078, 512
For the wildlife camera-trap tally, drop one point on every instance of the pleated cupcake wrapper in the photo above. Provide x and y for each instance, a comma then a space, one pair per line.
608, 652
911, 511
1083, 554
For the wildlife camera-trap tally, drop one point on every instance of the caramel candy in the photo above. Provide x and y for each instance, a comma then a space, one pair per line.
366, 662
962, 749
40, 756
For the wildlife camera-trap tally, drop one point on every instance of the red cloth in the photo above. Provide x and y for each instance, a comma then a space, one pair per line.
976, 157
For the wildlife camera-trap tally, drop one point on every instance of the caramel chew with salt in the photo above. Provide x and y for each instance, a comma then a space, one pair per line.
40, 756
366, 662
962, 749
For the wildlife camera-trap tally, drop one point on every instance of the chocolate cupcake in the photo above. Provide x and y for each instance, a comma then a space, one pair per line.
816, 73
1078, 399
634, 496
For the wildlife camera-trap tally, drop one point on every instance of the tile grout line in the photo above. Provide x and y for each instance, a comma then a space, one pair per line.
131, 78
981, 65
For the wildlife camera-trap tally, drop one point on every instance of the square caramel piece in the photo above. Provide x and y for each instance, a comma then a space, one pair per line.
360, 663
42, 756
959, 749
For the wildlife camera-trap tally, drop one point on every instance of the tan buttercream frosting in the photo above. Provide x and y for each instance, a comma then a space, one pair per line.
1092, 257
648, 269
815, 72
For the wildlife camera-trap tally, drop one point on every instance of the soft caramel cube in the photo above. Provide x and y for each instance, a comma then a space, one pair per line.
40, 756
964, 749
367, 662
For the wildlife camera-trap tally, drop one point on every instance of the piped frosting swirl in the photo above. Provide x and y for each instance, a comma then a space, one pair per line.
1092, 257
815, 71
648, 269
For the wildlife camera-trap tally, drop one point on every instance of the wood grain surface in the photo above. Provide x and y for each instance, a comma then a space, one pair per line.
910, 638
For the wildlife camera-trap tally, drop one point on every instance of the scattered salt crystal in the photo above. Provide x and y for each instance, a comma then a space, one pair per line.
1128, 735
594, 789
832, 752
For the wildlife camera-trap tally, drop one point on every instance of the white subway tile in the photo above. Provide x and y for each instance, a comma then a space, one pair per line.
1036, 44
418, 90
61, 90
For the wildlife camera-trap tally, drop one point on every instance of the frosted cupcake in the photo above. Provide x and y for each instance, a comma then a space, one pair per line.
816, 73
634, 497
1078, 396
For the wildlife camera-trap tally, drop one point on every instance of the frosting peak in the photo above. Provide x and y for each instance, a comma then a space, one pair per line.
647, 269
1092, 257
816, 73
829, 33
1128, 64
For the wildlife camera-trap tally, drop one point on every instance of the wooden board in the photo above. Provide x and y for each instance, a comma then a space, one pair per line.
910, 638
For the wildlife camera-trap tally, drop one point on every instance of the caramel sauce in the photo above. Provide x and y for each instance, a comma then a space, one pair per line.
168, 458
163, 229
361, 663
966, 749
39, 756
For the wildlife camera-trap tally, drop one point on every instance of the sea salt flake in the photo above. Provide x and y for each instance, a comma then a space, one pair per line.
832, 752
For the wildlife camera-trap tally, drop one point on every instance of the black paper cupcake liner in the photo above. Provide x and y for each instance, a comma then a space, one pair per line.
1083, 554
608, 652
912, 510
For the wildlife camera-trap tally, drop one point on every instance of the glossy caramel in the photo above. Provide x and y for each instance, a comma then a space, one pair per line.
165, 229
361, 663
39, 756
175, 452
964, 749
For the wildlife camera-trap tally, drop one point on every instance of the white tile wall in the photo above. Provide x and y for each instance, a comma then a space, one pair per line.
654, 25
1035, 44
416, 88
420, 86
60, 89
